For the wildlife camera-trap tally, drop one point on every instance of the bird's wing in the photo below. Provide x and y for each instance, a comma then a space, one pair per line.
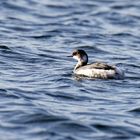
100, 65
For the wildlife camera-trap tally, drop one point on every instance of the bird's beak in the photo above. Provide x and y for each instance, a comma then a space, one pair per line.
69, 56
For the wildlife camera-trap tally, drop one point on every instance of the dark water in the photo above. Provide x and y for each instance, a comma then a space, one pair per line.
39, 97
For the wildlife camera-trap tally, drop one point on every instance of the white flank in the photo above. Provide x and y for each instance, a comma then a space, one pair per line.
100, 73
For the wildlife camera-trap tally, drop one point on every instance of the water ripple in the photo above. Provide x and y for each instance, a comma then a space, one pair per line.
40, 97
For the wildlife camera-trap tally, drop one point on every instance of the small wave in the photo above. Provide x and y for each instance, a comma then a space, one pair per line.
4, 47
135, 110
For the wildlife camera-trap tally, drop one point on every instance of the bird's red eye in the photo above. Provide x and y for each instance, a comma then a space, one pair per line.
74, 53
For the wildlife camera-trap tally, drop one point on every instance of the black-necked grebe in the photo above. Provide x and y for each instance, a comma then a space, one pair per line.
94, 70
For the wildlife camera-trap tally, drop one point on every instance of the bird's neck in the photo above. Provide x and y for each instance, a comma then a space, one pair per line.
80, 64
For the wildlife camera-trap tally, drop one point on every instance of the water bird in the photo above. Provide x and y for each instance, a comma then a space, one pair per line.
94, 70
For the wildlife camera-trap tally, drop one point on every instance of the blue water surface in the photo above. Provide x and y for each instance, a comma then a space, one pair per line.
40, 99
